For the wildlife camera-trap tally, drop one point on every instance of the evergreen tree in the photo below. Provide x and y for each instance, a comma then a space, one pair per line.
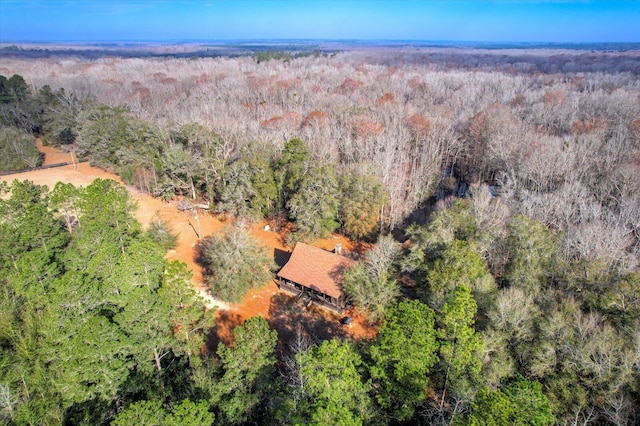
248, 371
291, 168
336, 392
521, 402
236, 191
533, 253
460, 344
403, 355
314, 206
460, 263
361, 198
249, 186
189, 319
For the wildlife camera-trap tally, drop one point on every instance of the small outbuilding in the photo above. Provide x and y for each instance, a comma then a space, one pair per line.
316, 275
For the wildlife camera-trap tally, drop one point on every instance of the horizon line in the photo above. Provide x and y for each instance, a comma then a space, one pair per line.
308, 40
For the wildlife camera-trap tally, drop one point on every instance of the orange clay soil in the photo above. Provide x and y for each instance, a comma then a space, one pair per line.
279, 308
53, 155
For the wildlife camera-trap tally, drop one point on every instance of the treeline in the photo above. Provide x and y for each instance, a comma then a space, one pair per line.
258, 51
285, 56
550, 59
531, 58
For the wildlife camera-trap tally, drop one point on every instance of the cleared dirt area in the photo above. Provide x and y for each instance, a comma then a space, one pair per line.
279, 308
53, 155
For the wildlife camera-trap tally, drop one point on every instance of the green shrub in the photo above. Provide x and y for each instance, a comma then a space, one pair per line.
18, 150
233, 263
161, 233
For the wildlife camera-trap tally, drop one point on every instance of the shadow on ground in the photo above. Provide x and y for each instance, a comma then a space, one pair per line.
287, 315
226, 321
281, 257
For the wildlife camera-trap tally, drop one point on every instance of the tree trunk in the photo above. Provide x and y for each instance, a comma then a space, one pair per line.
157, 358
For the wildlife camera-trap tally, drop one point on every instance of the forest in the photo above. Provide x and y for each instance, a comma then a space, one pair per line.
497, 195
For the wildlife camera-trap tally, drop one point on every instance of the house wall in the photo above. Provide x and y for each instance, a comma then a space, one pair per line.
315, 296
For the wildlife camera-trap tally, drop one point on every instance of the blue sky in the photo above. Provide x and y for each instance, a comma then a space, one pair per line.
450, 20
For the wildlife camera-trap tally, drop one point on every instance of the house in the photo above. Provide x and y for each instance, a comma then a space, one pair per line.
316, 274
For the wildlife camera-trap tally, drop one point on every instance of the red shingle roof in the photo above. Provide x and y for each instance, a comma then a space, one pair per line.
317, 269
